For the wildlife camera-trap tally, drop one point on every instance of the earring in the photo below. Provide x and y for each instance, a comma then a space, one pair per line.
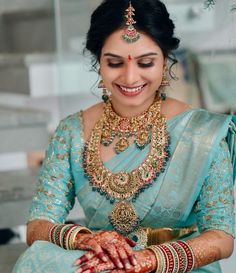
161, 94
105, 95
165, 81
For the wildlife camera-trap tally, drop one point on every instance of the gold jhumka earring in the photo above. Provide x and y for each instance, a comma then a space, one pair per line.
105, 95
164, 83
130, 33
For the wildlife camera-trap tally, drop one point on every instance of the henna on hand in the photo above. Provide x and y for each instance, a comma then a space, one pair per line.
110, 243
146, 262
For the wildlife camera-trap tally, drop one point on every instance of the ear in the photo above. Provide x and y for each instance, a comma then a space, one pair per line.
165, 62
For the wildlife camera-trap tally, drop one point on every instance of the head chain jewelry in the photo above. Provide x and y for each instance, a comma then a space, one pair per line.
130, 33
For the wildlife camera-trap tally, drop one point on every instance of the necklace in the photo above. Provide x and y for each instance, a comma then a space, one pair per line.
122, 188
138, 127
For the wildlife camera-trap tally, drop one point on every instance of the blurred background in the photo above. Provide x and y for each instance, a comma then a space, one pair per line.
44, 76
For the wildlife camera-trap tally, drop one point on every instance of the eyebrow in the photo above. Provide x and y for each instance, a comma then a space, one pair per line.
138, 57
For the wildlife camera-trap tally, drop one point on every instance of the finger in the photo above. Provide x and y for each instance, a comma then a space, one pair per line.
96, 265
86, 257
132, 270
83, 268
131, 256
99, 252
95, 247
130, 242
91, 270
101, 267
117, 271
124, 258
114, 256
91, 264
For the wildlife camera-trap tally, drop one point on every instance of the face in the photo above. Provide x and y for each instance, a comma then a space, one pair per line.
131, 72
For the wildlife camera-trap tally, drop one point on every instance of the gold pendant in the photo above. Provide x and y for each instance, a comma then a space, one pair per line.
124, 218
142, 139
121, 145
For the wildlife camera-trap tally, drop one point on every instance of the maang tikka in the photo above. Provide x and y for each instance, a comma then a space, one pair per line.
130, 33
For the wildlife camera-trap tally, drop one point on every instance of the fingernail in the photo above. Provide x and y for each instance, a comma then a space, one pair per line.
127, 266
87, 271
120, 265
134, 261
76, 263
78, 270
104, 258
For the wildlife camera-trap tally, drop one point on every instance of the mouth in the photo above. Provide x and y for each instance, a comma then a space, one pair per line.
131, 91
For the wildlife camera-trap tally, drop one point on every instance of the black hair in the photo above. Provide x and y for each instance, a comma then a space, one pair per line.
151, 16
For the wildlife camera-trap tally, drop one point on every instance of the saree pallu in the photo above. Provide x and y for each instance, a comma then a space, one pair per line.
181, 196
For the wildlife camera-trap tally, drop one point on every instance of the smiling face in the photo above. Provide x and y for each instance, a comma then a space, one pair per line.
131, 72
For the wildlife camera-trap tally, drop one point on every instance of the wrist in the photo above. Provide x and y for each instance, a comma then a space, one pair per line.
153, 259
66, 235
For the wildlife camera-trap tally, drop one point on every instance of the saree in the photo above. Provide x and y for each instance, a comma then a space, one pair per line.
189, 191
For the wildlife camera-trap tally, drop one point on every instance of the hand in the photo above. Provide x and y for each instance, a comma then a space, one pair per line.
146, 262
108, 246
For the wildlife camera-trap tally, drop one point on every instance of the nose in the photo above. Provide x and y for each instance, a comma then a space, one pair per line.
130, 74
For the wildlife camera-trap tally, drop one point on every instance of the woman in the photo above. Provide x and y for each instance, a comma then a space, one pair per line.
154, 176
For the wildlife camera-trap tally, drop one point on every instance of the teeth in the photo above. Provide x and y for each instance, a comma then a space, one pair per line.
131, 90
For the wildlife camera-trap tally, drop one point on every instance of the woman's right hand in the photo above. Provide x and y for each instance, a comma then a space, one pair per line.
107, 243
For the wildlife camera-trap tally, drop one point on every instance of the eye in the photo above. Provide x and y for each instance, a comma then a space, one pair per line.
146, 63
115, 64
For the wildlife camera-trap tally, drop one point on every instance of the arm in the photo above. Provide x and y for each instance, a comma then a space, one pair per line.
215, 212
54, 196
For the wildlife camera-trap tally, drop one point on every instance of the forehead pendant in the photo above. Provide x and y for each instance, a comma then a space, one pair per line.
130, 33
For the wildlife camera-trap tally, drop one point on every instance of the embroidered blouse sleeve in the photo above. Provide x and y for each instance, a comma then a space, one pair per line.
55, 196
215, 206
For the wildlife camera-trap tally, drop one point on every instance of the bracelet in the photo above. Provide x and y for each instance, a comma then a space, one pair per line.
173, 257
65, 235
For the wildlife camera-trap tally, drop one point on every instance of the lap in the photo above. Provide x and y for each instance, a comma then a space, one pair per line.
44, 256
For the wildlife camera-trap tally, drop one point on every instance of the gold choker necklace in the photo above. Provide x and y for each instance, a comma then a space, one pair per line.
138, 127
123, 188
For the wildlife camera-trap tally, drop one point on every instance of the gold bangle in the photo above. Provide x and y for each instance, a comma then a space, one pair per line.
72, 241
160, 258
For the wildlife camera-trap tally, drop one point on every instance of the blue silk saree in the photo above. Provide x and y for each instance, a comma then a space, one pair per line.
196, 187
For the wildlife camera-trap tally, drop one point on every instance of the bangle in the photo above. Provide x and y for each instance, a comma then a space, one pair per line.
73, 241
174, 257
65, 235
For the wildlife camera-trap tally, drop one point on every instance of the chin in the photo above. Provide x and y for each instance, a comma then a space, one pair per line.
141, 102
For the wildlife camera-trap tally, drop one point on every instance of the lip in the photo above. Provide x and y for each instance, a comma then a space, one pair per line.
131, 94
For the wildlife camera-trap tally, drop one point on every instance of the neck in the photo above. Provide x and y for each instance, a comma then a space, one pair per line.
129, 111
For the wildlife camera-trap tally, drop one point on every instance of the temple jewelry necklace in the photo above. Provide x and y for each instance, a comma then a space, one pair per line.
138, 127
122, 188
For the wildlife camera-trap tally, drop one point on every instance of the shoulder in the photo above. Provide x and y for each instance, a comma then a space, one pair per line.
90, 118
172, 107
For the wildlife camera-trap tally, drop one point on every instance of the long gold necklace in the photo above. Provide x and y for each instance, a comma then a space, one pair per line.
123, 187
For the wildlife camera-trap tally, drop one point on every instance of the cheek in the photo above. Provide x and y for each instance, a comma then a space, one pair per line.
109, 75
154, 75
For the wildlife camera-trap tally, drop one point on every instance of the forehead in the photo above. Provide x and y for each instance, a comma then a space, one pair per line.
116, 45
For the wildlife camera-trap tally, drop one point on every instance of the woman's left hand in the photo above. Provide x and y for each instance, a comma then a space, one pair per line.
146, 262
